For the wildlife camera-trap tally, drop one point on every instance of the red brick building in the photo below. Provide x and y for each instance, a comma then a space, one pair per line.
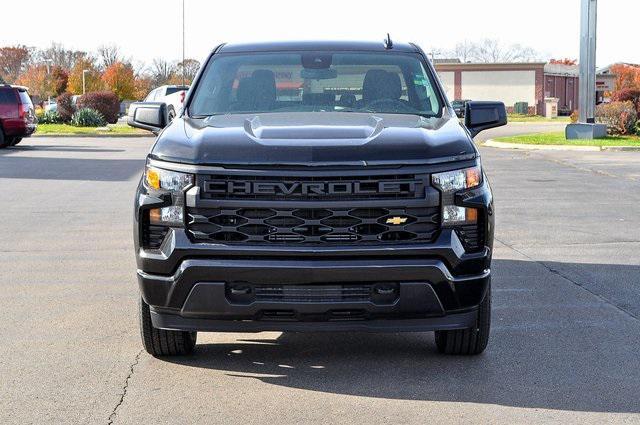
516, 82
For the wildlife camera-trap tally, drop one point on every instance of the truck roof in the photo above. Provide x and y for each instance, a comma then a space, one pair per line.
277, 46
13, 86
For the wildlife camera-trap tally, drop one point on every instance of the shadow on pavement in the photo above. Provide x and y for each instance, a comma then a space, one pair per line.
56, 148
571, 353
70, 168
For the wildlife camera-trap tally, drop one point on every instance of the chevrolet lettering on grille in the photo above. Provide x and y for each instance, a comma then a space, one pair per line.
301, 188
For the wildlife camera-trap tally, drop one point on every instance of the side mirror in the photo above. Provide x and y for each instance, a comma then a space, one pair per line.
479, 116
150, 116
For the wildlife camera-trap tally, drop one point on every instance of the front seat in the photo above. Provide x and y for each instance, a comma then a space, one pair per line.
380, 84
264, 89
244, 95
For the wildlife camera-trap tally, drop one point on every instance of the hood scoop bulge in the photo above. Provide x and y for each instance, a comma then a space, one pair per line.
320, 131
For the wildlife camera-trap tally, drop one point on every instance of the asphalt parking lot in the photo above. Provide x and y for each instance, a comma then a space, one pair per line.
565, 340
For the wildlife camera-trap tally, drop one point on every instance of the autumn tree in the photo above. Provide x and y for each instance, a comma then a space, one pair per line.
565, 61
13, 62
39, 81
627, 76
60, 80
143, 85
93, 82
118, 77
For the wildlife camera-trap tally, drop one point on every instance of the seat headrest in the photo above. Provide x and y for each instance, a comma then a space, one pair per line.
380, 84
245, 88
348, 100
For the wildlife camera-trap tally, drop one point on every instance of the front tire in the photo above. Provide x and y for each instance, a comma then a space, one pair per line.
4, 141
16, 140
160, 342
468, 341
171, 114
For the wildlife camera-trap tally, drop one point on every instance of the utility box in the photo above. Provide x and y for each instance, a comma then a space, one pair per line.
551, 107
521, 108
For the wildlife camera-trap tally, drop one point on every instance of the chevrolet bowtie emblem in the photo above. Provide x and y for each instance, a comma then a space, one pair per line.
396, 220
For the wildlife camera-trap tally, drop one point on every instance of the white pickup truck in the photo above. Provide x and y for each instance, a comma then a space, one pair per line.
173, 96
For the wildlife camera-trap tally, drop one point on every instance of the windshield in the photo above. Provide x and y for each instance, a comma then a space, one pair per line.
383, 82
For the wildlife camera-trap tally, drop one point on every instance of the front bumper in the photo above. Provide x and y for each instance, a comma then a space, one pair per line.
427, 296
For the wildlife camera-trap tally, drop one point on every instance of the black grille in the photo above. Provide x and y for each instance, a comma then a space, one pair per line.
312, 226
247, 187
471, 236
152, 236
377, 293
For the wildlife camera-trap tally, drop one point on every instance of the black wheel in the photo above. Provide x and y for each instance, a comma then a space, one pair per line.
468, 341
4, 141
171, 114
16, 140
159, 342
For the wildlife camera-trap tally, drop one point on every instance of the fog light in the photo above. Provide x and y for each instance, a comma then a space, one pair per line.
455, 215
171, 216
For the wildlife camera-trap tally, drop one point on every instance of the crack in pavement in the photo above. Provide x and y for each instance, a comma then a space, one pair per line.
114, 412
569, 279
595, 171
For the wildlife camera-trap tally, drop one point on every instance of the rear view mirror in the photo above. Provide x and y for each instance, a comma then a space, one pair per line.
319, 74
479, 116
150, 116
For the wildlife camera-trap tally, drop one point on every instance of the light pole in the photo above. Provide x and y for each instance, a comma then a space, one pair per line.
183, 64
588, 25
47, 62
84, 87
586, 128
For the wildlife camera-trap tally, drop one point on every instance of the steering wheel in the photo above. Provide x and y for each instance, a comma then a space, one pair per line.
386, 105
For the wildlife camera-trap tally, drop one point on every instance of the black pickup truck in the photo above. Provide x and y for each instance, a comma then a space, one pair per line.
315, 186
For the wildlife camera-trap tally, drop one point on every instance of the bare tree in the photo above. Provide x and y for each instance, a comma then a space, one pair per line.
188, 69
464, 51
58, 55
492, 51
109, 54
161, 71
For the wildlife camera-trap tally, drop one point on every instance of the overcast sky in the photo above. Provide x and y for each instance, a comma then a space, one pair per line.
145, 29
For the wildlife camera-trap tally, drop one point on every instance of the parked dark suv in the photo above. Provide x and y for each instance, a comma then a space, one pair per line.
315, 186
17, 117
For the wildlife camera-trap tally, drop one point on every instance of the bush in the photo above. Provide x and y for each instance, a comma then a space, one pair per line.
105, 102
87, 117
39, 112
628, 95
65, 106
49, 117
620, 117
574, 117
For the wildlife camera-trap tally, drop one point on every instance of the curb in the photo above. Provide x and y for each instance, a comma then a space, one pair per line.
540, 122
621, 148
505, 145
99, 136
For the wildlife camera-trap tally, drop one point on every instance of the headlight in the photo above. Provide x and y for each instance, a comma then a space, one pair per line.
451, 182
172, 181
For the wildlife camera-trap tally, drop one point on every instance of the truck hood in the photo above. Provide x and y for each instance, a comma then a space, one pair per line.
314, 138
